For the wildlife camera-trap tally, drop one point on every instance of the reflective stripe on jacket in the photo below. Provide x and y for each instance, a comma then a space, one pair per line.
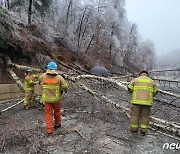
29, 82
143, 89
51, 87
51, 90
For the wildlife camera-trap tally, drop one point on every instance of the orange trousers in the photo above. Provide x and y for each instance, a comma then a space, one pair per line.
52, 112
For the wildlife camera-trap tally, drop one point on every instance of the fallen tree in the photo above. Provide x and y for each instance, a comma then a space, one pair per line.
122, 84
155, 122
10, 107
16, 79
24, 68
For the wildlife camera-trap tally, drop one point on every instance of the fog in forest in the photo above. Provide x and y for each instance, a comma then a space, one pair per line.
158, 21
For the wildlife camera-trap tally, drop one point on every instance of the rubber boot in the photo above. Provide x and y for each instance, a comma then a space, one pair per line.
26, 107
33, 104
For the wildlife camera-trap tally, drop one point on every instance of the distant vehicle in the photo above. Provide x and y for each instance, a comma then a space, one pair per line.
99, 70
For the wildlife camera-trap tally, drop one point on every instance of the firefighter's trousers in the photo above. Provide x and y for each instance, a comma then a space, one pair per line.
29, 98
139, 118
52, 112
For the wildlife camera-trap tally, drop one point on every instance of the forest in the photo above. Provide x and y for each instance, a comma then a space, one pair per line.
93, 32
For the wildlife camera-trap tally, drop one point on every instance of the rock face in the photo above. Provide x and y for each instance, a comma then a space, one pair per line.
28, 44
10, 28
99, 70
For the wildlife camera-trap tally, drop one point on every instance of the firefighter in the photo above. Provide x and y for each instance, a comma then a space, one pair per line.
52, 86
29, 88
143, 90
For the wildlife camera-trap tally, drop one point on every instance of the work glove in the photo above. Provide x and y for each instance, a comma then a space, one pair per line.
62, 92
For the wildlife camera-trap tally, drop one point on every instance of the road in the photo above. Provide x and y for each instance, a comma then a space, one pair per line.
90, 125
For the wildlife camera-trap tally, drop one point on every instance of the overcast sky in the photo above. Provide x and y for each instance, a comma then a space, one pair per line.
157, 20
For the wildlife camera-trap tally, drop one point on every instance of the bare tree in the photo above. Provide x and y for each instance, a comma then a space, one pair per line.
80, 28
110, 47
8, 4
30, 12
67, 17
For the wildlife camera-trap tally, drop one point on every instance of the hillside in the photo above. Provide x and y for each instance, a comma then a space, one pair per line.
86, 37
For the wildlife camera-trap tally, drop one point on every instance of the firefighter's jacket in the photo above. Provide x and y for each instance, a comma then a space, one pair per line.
30, 82
143, 90
52, 86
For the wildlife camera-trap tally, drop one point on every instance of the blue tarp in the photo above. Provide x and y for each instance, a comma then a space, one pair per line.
99, 70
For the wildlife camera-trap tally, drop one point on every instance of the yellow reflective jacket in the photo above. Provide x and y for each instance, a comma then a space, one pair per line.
143, 89
29, 82
52, 85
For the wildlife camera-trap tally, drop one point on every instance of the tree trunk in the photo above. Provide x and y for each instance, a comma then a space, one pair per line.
110, 47
24, 68
89, 44
67, 17
79, 30
30, 12
8, 4
16, 79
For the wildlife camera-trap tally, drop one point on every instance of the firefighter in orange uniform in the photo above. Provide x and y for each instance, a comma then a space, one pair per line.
143, 90
29, 88
52, 86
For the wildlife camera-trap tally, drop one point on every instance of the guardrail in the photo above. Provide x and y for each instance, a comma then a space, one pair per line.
10, 91
165, 81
